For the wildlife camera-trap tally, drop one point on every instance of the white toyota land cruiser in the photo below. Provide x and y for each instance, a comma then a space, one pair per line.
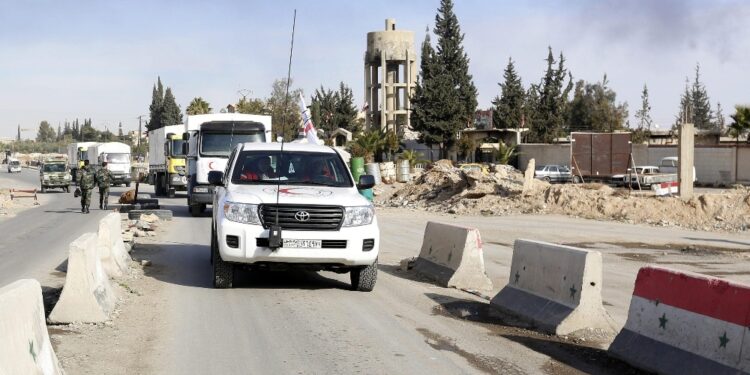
320, 222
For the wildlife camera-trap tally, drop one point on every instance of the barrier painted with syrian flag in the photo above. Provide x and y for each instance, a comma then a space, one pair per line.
666, 188
686, 323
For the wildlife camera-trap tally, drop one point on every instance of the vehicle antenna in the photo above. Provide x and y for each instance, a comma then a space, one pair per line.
274, 233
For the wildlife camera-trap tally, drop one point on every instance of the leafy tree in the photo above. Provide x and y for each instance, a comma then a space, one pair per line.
59, 133
594, 108
87, 132
643, 115
466, 146
508, 110
198, 106
170, 111
505, 153
334, 110
285, 111
702, 113
389, 143
251, 106
45, 132
155, 109
346, 112
740, 122
531, 103
451, 56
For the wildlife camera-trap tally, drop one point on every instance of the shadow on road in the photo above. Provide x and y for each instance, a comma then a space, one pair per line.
188, 265
584, 356
182, 210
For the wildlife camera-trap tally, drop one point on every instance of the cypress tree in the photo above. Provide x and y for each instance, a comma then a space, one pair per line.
451, 57
170, 111
720, 120
549, 114
508, 111
686, 106
702, 113
422, 103
643, 115
155, 109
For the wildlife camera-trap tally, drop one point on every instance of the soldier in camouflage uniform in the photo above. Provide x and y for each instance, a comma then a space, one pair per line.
103, 179
86, 182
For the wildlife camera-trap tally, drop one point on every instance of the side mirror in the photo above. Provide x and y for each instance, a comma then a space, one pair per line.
185, 136
366, 181
216, 178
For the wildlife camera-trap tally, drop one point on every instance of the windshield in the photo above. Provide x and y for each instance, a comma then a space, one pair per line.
118, 158
54, 168
177, 145
15, 163
293, 168
221, 144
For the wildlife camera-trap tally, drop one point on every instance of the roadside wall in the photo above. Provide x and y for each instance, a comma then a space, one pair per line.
713, 164
543, 154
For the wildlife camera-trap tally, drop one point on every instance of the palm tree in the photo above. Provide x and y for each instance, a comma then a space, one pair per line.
367, 144
198, 106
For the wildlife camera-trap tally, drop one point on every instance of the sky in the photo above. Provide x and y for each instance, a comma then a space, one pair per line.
99, 59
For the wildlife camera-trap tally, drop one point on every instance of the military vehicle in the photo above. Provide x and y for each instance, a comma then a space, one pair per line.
54, 174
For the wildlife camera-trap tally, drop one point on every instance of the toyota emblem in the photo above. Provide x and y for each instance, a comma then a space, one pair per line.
302, 216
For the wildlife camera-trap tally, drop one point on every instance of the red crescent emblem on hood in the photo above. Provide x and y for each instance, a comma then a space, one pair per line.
210, 165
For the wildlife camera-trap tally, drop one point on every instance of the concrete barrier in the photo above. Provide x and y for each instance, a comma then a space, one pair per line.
24, 342
87, 295
557, 288
686, 323
453, 256
111, 248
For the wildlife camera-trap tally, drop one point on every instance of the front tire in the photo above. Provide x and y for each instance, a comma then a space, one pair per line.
576, 179
223, 272
363, 279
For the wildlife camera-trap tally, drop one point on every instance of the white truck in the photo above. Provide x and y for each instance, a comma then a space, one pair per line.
14, 165
77, 153
299, 208
210, 138
117, 156
166, 160
671, 164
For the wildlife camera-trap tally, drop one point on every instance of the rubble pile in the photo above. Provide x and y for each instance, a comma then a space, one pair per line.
143, 227
444, 188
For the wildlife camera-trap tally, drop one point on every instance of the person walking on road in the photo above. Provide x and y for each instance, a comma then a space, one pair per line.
103, 179
86, 182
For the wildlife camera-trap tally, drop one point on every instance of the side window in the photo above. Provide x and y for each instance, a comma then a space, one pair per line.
553, 169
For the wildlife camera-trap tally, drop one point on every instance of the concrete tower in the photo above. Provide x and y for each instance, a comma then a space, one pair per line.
390, 75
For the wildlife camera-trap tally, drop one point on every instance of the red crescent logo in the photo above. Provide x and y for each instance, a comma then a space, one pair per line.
210, 165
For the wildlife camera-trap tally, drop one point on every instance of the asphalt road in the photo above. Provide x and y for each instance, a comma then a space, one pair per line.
292, 322
35, 241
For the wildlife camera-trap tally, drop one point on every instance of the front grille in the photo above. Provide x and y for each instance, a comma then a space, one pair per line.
233, 242
320, 217
368, 244
325, 244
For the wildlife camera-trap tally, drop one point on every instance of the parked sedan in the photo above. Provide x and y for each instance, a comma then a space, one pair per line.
553, 173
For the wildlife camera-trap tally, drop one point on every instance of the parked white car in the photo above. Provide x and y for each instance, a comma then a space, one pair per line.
325, 224
553, 173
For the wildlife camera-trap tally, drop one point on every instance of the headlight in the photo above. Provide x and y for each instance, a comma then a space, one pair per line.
242, 213
46, 177
67, 177
356, 216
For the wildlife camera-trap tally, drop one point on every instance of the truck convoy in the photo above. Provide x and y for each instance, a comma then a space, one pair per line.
210, 139
117, 156
166, 160
53, 174
77, 153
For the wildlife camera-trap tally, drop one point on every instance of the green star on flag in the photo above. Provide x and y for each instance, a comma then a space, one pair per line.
723, 340
663, 321
518, 276
573, 291
31, 350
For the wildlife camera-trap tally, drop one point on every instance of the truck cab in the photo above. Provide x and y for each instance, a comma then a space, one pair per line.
306, 196
166, 160
54, 174
210, 139
117, 156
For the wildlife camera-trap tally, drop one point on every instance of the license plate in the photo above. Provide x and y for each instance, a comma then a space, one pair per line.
303, 244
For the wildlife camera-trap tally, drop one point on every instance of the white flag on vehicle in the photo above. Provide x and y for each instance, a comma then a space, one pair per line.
307, 124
